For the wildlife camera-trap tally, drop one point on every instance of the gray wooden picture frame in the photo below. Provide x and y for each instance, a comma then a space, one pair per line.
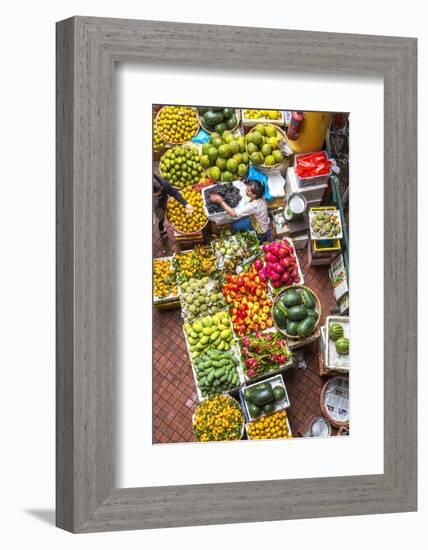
87, 51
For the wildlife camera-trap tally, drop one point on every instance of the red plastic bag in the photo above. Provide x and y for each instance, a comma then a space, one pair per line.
314, 164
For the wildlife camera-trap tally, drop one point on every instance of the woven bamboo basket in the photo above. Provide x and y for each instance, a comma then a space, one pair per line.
278, 164
317, 307
232, 399
199, 230
325, 412
176, 142
238, 118
202, 175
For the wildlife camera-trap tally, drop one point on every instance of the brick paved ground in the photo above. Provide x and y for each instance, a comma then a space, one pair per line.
174, 394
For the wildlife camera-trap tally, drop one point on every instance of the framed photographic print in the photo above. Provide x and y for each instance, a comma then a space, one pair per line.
236, 274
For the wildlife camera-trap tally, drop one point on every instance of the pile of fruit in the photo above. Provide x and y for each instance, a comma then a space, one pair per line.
177, 124
263, 353
193, 263
218, 119
336, 333
295, 312
180, 218
158, 142
273, 426
210, 332
256, 114
163, 279
181, 166
230, 193
224, 157
249, 302
219, 418
231, 251
281, 265
263, 398
325, 225
216, 372
198, 297
263, 145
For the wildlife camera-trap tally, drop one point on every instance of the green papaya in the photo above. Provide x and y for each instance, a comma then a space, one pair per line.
279, 317
263, 396
291, 327
307, 298
211, 118
297, 313
312, 313
305, 327
291, 298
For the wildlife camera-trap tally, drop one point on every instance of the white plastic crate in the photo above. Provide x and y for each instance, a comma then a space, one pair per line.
333, 360
314, 180
278, 406
223, 217
312, 193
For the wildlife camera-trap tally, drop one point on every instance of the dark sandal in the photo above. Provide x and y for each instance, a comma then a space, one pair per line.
164, 233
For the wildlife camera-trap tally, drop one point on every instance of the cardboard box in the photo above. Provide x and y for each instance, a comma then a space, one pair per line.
338, 277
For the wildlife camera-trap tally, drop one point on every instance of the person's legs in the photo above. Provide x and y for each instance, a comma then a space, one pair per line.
263, 237
160, 215
243, 224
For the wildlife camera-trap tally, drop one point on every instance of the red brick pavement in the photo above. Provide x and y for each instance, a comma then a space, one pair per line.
174, 394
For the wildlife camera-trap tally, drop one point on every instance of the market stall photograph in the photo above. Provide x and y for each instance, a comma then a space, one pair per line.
251, 320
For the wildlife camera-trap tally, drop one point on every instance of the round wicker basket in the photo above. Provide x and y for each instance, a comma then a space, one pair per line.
238, 118
203, 226
240, 408
272, 166
176, 142
329, 384
202, 174
317, 307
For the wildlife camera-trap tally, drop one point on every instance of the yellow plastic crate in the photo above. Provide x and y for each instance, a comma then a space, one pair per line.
334, 246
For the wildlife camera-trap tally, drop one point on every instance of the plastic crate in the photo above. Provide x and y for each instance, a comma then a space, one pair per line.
276, 380
222, 217
313, 180
312, 193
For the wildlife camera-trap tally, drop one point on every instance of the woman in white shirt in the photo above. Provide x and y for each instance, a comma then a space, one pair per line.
252, 214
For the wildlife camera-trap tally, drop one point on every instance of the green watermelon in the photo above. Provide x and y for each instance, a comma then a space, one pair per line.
336, 331
342, 346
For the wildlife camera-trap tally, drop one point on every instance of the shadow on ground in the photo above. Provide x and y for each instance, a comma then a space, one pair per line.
45, 515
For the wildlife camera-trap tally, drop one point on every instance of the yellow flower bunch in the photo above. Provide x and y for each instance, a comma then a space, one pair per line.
273, 426
219, 418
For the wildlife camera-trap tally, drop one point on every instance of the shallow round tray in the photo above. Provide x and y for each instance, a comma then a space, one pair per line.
317, 307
